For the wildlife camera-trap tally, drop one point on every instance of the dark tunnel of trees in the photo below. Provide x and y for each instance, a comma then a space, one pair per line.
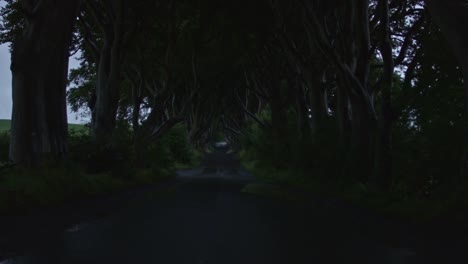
365, 97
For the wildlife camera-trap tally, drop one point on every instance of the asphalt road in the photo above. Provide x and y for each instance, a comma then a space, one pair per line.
205, 218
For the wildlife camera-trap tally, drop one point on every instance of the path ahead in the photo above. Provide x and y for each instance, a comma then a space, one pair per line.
206, 219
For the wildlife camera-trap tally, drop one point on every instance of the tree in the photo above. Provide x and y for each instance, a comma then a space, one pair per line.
107, 48
39, 65
452, 17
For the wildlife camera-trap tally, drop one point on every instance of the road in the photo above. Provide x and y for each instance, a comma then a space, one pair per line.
205, 218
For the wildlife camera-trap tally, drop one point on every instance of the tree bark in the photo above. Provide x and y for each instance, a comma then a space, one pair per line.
360, 162
39, 66
109, 74
383, 163
304, 125
279, 124
318, 103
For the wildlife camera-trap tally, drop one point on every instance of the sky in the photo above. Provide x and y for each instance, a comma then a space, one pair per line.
5, 83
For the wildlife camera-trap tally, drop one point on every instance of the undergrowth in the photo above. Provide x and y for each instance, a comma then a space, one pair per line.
91, 170
422, 187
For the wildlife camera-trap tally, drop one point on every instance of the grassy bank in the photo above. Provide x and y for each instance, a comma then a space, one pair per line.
23, 189
424, 183
294, 185
92, 170
6, 124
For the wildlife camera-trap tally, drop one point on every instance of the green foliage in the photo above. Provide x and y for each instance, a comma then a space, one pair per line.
29, 188
12, 21
429, 137
81, 86
427, 149
5, 125
299, 161
92, 169
177, 141
174, 150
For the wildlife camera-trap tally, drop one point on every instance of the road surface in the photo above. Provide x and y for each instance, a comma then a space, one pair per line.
205, 218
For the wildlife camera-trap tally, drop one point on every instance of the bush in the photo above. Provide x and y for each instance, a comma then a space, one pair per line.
29, 188
177, 142
424, 167
92, 169
296, 160
114, 156
172, 152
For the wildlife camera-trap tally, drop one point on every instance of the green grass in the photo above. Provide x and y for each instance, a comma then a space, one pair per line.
88, 172
77, 128
6, 124
415, 209
283, 183
24, 189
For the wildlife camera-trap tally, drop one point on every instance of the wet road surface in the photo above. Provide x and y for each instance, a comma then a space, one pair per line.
205, 218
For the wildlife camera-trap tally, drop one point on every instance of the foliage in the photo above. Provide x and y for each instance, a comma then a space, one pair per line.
81, 86
4, 125
427, 145
300, 161
26, 188
91, 169
12, 22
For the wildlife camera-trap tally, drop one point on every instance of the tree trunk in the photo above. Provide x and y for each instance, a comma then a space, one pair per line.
278, 115
354, 92
302, 112
343, 125
318, 106
363, 137
342, 117
452, 18
39, 66
109, 77
278, 123
107, 94
383, 152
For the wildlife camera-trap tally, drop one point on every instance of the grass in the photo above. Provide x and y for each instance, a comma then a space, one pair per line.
284, 183
88, 171
6, 124
77, 128
25, 189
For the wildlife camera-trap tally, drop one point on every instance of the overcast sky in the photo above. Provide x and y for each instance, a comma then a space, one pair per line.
5, 84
